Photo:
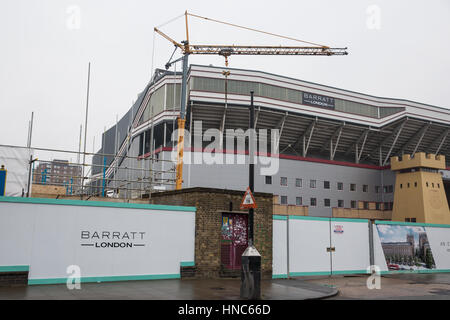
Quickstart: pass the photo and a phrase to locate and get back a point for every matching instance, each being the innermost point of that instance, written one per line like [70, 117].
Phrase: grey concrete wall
[235, 177]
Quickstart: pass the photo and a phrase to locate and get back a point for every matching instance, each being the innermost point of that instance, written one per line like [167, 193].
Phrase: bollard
[251, 274]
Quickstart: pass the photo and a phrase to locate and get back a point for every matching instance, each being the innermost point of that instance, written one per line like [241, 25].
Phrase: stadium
[335, 145]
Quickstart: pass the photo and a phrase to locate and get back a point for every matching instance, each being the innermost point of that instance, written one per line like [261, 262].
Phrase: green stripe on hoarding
[349, 220]
[277, 217]
[86, 203]
[279, 276]
[14, 268]
[309, 218]
[412, 224]
[187, 264]
[327, 273]
[301, 274]
[328, 219]
[350, 272]
[105, 279]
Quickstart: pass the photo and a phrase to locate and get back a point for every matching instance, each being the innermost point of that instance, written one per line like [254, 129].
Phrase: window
[283, 181]
[326, 184]
[377, 189]
[415, 184]
[353, 204]
[340, 203]
[298, 201]
[284, 200]
[298, 183]
[365, 188]
[366, 205]
[326, 202]
[312, 183]
[407, 219]
[313, 202]
[378, 206]
[340, 186]
[413, 219]
[268, 179]
[352, 187]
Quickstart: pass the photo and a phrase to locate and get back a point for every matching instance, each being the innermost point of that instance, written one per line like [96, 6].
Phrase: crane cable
[256, 30]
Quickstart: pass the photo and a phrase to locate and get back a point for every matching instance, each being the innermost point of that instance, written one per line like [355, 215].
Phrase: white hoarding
[350, 240]
[279, 245]
[107, 241]
[308, 243]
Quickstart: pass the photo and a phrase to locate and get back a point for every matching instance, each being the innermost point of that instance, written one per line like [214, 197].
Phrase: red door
[234, 239]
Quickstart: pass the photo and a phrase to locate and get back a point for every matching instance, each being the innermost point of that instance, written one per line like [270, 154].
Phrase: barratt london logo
[112, 239]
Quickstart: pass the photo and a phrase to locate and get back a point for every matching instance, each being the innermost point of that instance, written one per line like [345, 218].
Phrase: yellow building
[419, 189]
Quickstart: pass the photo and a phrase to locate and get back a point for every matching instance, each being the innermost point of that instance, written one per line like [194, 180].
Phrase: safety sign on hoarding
[248, 202]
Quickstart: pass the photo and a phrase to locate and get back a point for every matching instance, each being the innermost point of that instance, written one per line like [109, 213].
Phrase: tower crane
[226, 51]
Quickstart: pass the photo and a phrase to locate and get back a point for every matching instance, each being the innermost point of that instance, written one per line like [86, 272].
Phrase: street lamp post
[251, 259]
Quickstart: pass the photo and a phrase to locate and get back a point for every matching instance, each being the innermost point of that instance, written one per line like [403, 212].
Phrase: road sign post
[251, 259]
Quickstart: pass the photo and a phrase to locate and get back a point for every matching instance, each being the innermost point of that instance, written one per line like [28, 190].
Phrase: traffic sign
[248, 202]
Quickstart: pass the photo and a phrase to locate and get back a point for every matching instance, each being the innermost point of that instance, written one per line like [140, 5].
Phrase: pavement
[392, 287]
[217, 289]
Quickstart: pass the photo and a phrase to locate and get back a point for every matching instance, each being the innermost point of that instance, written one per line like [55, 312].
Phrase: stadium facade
[334, 145]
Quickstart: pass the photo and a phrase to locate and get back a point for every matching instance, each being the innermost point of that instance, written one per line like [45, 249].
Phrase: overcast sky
[398, 49]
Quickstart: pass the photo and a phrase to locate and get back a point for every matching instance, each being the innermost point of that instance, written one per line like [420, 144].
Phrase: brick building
[213, 248]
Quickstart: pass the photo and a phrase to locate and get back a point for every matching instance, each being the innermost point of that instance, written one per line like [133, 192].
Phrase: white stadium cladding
[326, 134]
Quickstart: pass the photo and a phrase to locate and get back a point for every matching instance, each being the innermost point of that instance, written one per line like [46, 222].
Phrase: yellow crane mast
[226, 51]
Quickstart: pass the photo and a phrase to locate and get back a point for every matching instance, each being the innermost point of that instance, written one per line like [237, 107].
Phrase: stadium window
[312, 184]
[352, 187]
[298, 182]
[326, 202]
[340, 203]
[313, 202]
[283, 181]
[268, 179]
[340, 186]
[298, 201]
[326, 184]
[284, 200]
[353, 204]
[365, 188]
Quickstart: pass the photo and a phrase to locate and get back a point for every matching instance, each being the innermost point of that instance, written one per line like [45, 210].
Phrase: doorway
[234, 239]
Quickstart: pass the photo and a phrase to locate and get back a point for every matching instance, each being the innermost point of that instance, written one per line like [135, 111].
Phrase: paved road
[400, 287]
[220, 289]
